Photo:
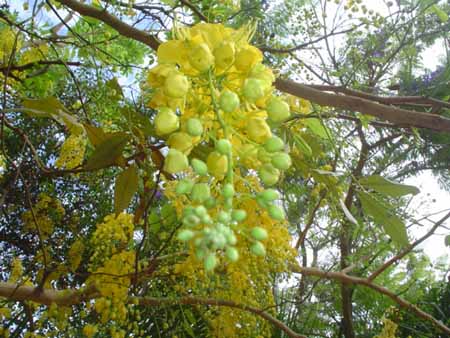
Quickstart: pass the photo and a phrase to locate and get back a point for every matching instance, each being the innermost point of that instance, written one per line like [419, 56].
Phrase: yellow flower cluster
[110, 236]
[111, 268]
[72, 151]
[8, 40]
[389, 329]
[42, 218]
[219, 117]
[218, 114]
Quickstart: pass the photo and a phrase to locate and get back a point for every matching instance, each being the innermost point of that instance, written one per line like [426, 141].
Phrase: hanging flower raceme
[218, 114]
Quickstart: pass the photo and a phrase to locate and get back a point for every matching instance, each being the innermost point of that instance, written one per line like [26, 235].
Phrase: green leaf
[442, 15]
[126, 186]
[302, 146]
[383, 214]
[50, 107]
[116, 89]
[95, 134]
[447, 240]
[387, 187]
[316, 126]
[108, 151]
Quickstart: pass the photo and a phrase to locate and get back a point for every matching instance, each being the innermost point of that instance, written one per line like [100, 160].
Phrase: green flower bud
[274, 144]
[200, 253]
[166, 121]
[258, 249]
[261, 202]
[201, 211]
[264, 156]
[259, 233]
[276, 212]
[176, 85]
[194, 127]
[219, 241]
[281, 161]
[184, 187]
[206, 219]
[191, 221]
[223, 146]
[278, 110]
[231, 238]
[228, 190]
[232, 254]
[189, 210]
[175, 161]
[268, 174]
[210, 203]
[210, 262]
[200, 167]
[185, 235]
[269, 195]
[229, 101]
[238, 215]
[224, 217]
[253, 89]
[200, 192]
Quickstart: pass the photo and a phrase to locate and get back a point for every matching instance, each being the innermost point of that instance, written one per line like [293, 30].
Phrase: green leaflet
[108, 151]
[302, 145]
[95, 134]
[387, 187]
[50, 107]
[442, 15]
[316, 126]
[384, 215]
[126, 186]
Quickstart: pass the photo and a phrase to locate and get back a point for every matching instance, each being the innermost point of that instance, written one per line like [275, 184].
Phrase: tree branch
[121, 27]
[68, 297]
[395, 115]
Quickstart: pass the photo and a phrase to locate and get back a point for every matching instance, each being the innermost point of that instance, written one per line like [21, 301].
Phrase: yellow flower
[224, 55]
[247, 57]
[181, 141]
[201, 57]
[217, 165]
[258, 130]
[157, 75]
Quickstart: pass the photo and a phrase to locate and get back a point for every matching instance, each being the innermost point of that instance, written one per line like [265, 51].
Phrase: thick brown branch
[46, 296]
[395, 115]
[16, 292]
[396, 100]
[121, 27]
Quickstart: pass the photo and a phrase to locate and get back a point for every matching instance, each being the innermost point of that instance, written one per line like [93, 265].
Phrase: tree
[160, 180]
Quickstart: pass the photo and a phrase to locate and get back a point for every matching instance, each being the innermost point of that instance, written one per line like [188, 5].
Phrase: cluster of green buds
[210, 232]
